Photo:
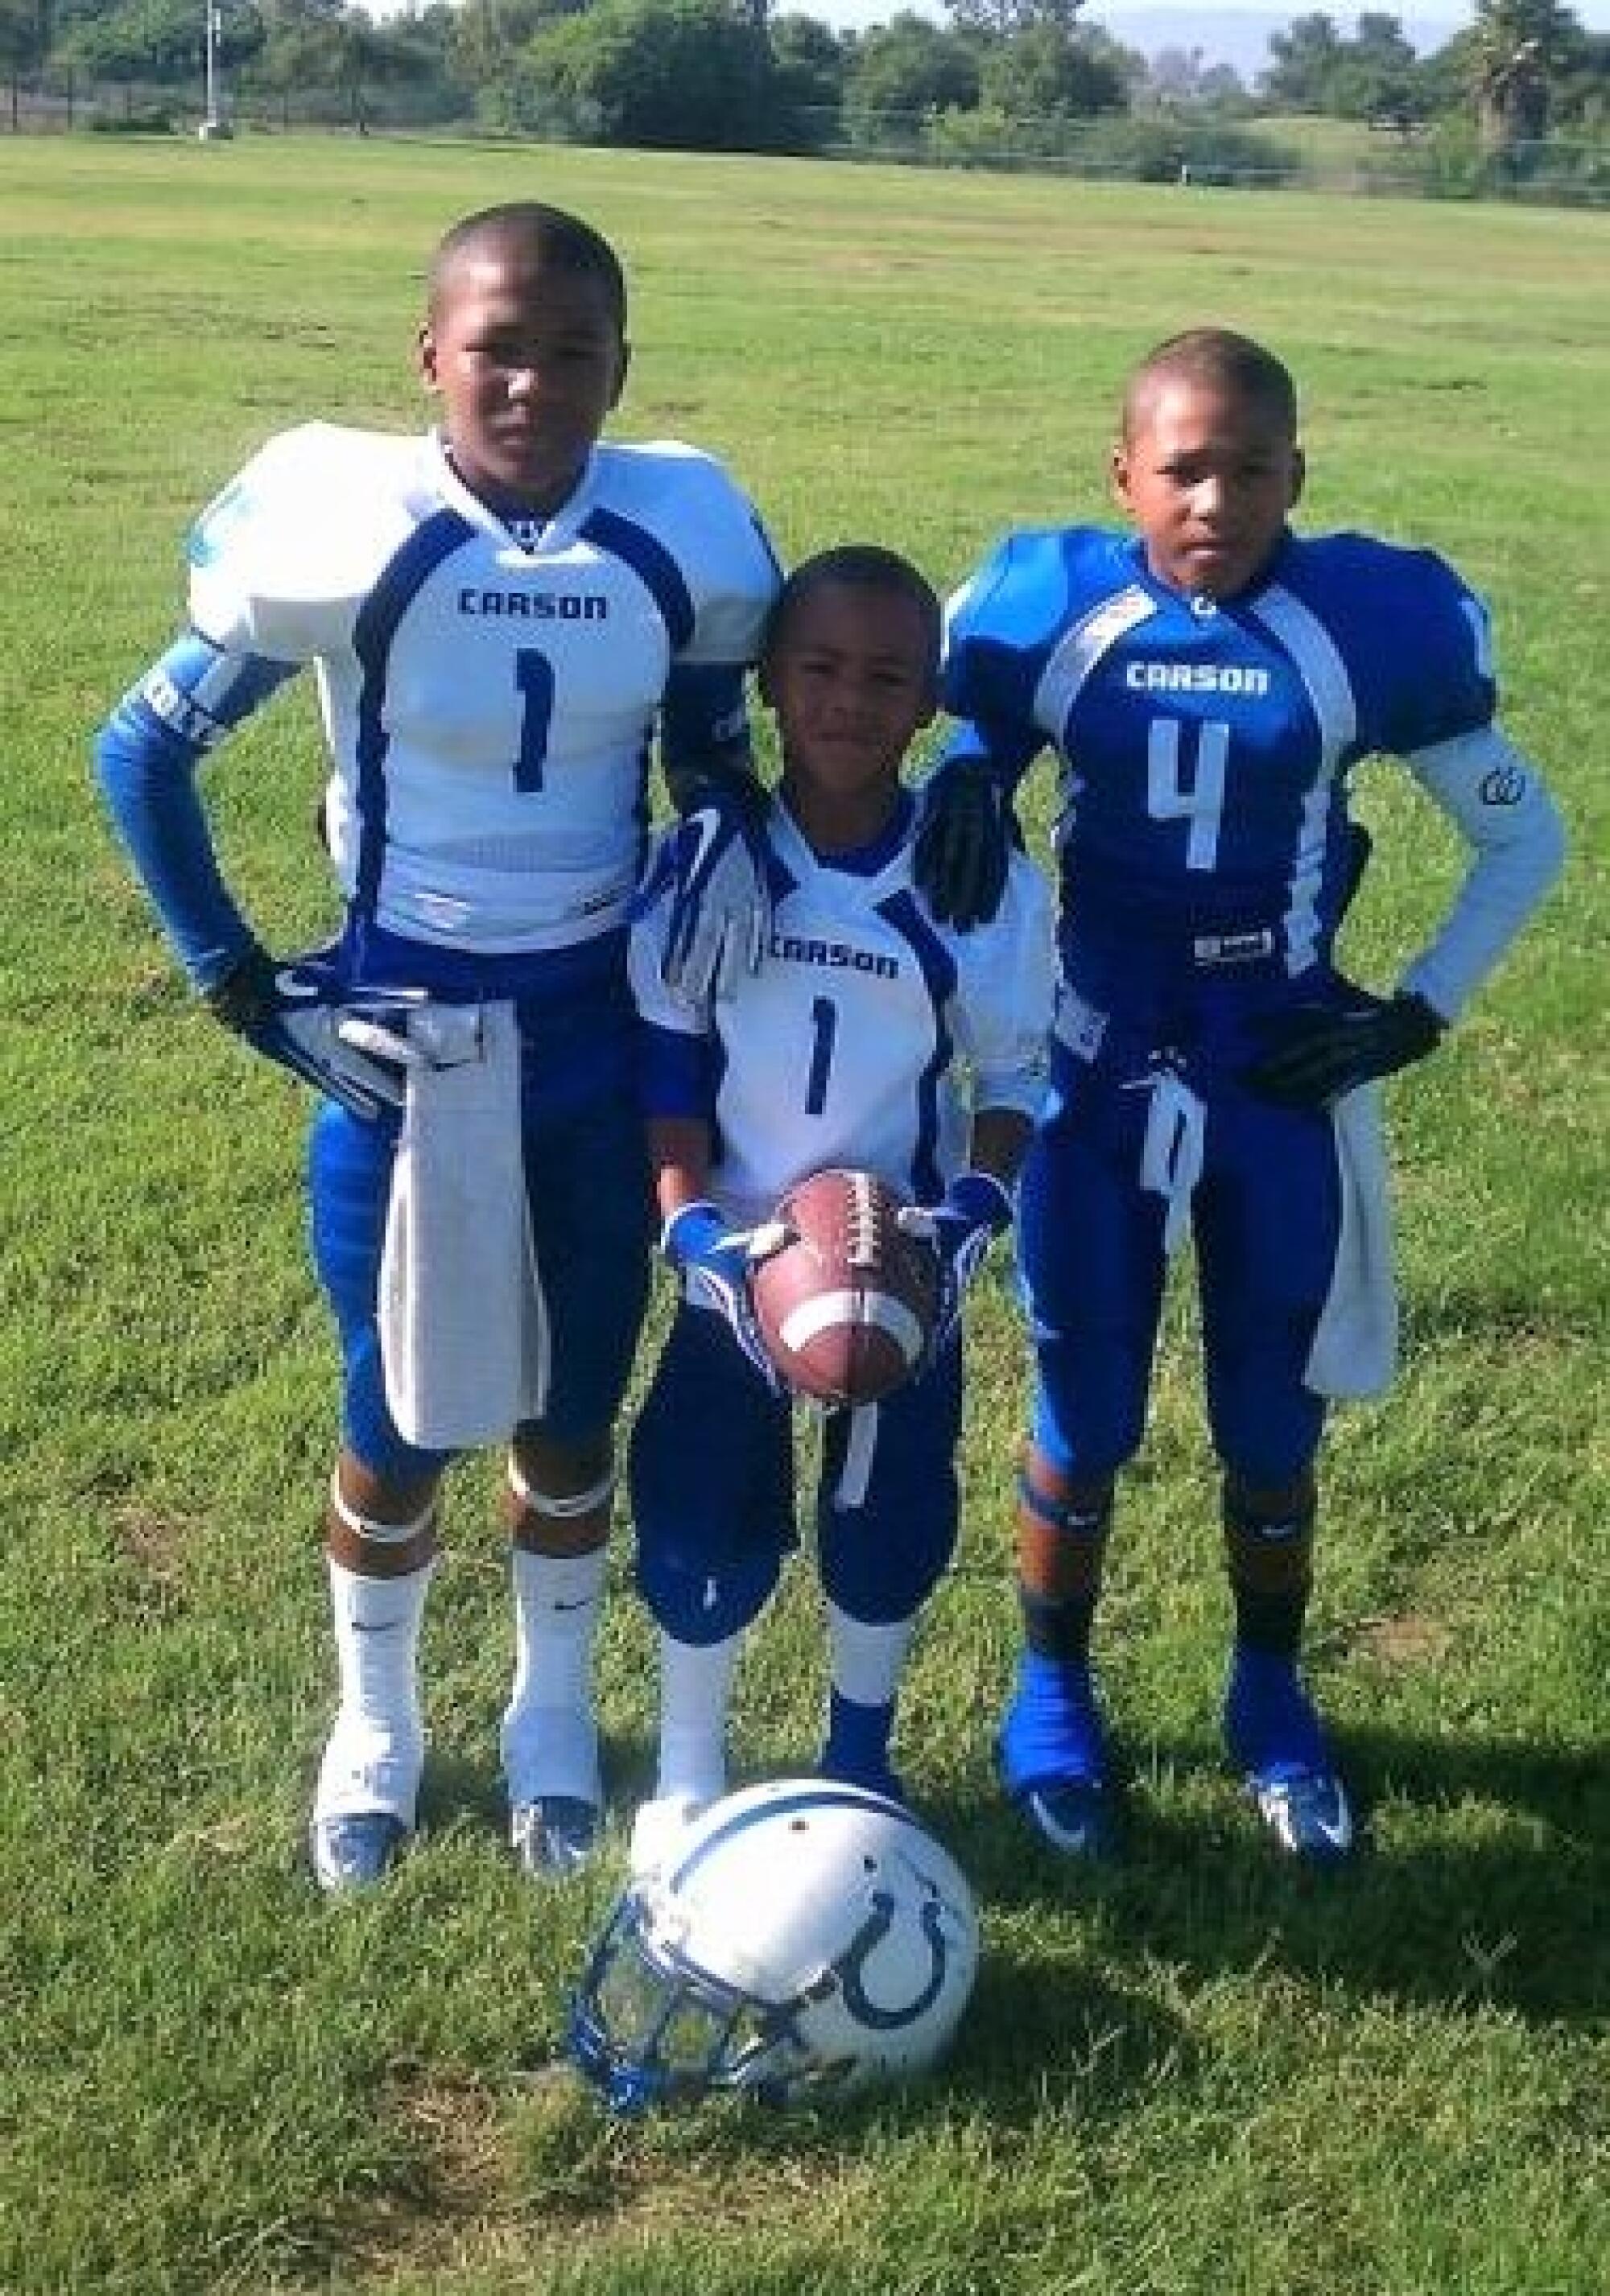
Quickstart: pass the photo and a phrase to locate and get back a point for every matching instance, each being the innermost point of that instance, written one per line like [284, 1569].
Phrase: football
[847, 1304]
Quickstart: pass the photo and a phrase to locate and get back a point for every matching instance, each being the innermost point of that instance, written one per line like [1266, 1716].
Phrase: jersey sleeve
[1006, 977]
[1498, 801]
[998, 627]
[1426, 655]
[726, 559]
[279, 561]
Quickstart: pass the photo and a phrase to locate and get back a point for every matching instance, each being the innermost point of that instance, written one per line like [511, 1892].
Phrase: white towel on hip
[463, 1331]
[1171, 1153]
[1355, 1344]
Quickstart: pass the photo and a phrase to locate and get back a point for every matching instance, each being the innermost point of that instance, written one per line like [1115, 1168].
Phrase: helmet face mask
[807, 1940]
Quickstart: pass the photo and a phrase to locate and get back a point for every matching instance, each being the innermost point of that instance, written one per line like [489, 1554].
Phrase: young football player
[873, 1037]
[498, 616]
[1207, 682]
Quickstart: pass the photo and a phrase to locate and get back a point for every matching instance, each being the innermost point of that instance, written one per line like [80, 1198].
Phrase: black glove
[346, 1042]
[1316, 1053]
[965, 834]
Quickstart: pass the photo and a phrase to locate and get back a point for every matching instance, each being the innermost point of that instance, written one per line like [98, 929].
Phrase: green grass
[1201, 2076]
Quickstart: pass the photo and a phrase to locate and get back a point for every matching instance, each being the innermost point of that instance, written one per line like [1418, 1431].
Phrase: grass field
[1202, 2076]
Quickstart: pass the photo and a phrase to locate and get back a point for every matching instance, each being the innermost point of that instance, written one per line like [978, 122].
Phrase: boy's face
[527, 359]
[852, 679]
[1208, 476]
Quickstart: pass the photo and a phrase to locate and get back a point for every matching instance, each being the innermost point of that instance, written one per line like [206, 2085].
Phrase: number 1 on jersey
[824, 1028]
[534, 676]
[1202, 803]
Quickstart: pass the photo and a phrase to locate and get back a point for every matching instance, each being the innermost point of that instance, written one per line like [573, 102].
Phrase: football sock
[1270, 1726]
[695, 1687]
[1269, 1558]
[856, 1751]
[376, 1747]
[550, 1740]
[866, 1661]
[1053, 1731]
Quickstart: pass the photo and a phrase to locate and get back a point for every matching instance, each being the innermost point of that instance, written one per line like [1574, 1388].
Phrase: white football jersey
[870, 1033]
[489, 702]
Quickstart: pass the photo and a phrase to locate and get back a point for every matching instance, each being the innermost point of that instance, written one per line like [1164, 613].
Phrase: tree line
[1024, 77]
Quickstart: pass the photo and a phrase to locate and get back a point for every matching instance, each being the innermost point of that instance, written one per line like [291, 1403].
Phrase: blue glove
[343, 1040]
[1315, 1054]
[965, 834]
[720, 908]
[976, 1208]
[713, 1259]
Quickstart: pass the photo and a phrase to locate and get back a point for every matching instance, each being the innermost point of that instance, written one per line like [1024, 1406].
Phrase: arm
[147, 754]
[721, 916]
[1498, 802]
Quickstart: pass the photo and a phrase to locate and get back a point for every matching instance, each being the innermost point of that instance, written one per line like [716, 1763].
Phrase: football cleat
[554, 1835]
[1077, 1817]
[661, 1823]
[354, 1849]
[1276, 1740]
[1052, 1758]
[1306, 1812]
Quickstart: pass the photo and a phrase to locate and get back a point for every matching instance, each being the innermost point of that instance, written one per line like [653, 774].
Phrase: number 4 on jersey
[1201, 804]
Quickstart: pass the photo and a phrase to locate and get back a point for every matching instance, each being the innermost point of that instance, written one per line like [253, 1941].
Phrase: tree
[1518, 48]
[811, 65]
[679, 75]
[1306, 58]
[903, 71]
[1043, 74]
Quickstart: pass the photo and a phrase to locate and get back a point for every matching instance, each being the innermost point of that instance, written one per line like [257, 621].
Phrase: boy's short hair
[1223, 360]
[559, 237]
[856, 566]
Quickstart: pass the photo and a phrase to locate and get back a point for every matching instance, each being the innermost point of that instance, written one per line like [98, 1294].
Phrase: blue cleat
[1075, 1817]
[1052, 1758]
[1307, 1813]
[554, 1835]
[1276, 1740]
[354, 1850]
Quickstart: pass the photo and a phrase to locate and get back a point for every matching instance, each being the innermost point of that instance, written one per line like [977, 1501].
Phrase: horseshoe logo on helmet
[864, 1943]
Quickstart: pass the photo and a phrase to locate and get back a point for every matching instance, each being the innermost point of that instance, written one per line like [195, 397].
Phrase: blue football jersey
[1204, 747]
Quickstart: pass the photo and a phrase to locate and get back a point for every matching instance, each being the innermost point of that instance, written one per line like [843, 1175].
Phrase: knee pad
[699, 1606]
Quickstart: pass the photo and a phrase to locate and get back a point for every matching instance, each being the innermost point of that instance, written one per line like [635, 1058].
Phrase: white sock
[696, 1689]
[867, 1661]
[550, 1739]
[376, 1751]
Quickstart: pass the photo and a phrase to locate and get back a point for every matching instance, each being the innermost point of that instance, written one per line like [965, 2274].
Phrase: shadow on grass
[1477, 1867]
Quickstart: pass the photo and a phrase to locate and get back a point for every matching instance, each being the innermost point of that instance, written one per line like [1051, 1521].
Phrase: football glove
[976, 1208]
[713, 1260]
[1313, 1056]
[720, 904]
[343, 1040]
[965, 834]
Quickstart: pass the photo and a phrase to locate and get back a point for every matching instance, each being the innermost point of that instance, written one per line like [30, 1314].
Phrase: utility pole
[214, 127]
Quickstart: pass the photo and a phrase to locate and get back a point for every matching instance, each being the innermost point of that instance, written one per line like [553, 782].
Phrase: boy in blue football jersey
[1207, 682]
[499, 616]
[874, 1038]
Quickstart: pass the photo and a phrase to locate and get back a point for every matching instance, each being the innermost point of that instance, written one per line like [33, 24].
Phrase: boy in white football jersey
[872, 1037]
[500, 615]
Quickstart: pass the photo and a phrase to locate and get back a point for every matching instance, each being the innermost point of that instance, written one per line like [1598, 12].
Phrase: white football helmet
[804, 1940]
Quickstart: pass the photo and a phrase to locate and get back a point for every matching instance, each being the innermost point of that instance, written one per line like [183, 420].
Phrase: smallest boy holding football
[872, 1037]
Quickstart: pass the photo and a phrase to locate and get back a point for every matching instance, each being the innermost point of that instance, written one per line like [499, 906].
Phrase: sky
[1444, 17]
